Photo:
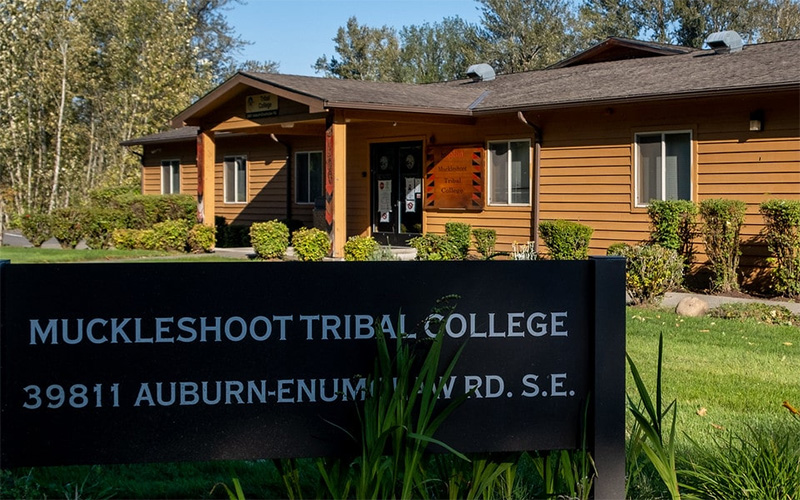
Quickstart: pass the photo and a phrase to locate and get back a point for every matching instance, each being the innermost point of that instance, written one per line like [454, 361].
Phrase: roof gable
[617, 49]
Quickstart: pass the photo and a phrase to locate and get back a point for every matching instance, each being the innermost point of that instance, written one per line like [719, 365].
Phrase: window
[509, 173]
[235, 179]
[663, 166]
[170, 176]
[309, 176]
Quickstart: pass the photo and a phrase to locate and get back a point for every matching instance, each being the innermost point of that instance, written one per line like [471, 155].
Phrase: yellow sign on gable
[261, 105]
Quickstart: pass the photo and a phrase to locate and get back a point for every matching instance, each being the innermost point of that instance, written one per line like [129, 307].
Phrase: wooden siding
[184, 152]
[512, 223]
[587, 166]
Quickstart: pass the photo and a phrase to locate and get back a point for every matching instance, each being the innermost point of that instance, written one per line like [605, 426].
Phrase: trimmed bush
[673, 226]
[311, 245]
[201, 238]
[650, 271]
[177, 207]
[432, 246]
[565, 239]
[35, 228]
[104, 197]
[67, 226]
[100, 224]
[171, 235]
[359, 248]
[460, 235]
[270, 239]
[782, 233]
[485, 241]
[134, 239]
[723, 221]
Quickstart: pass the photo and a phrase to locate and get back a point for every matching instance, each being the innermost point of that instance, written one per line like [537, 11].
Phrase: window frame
[233, 159]
[170, 164]
[308, 176]
[637, 174]
[490, 167]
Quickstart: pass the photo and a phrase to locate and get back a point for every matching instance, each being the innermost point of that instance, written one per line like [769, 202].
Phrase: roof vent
[480, 72]
[725, 42]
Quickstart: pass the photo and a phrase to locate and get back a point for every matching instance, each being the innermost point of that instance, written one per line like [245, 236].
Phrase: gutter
[537, 160]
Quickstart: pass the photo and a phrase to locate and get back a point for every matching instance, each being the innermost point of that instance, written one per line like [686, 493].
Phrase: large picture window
[170, 177]
[309, 176]
[663, 166]
[509, 173]
[235, 179]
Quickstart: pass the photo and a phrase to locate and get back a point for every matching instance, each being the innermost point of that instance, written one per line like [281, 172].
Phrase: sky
[295, 33]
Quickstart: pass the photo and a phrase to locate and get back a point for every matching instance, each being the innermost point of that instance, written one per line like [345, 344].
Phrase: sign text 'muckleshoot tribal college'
[121, 363]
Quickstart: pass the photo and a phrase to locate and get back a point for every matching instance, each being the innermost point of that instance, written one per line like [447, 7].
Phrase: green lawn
[19, 255]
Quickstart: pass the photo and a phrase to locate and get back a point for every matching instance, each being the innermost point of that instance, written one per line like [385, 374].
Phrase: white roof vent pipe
[481, 72]
[725, 42]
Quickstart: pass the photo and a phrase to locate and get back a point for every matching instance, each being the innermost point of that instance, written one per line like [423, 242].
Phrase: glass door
[396, 191]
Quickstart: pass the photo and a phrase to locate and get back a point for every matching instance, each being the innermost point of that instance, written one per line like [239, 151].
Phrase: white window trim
[489, 190]
[226, 159]
[297, 174]
[168, 163]
[636, 171]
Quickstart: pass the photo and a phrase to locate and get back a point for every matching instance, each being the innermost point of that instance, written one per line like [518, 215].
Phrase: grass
[20, 255]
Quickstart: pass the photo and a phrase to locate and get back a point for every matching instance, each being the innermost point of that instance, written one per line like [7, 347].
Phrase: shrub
[171, 235]
[36, 228]
[460, 235]
[311, 244]
[485, 241]
[673, 226]
[176, 207]
[141, 211]
[359, 248]
[67, 226]
[723, 221]
[134, 239]
[383, 254]
[782, 233]
[432, 246]
[650, 271]
[99, 224]
[229, 236]
[565, 239]
[270, 239]
[201, 238]
[104, 197]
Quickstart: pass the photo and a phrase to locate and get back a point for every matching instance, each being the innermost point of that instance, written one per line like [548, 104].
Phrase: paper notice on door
[386, 217]
[413, 191]
[384, 196]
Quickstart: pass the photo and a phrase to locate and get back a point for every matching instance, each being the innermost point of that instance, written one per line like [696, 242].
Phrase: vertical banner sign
[454, 177]
[119, 363]
[330, 179]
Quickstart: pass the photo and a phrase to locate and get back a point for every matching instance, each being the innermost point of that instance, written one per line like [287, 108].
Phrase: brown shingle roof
[756, 67]
[759, 67]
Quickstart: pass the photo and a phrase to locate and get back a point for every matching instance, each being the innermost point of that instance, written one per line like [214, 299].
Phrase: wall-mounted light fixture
[757, 121]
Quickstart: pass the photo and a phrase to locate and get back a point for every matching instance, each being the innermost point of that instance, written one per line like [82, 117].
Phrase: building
[592, 139]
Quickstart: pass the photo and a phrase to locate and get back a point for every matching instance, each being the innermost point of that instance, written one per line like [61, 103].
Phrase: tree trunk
[59, 130]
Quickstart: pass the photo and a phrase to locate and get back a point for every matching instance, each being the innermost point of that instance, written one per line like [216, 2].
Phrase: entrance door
[396, 191]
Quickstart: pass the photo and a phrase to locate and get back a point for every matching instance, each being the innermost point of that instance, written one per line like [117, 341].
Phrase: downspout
[288, 177]
[537, 158]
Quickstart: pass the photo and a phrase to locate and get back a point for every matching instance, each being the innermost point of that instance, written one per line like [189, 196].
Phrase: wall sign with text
[261, 106]
[454, 177]
[127, 363]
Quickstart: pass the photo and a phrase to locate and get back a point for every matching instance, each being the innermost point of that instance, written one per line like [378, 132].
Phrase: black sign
[124, 363]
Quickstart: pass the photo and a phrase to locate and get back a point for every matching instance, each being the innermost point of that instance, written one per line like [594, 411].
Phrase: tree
[601, 19]
[365, 53]
[696, 19]
[655, 18]
[440, 51]
[521, 35]
[778, 20]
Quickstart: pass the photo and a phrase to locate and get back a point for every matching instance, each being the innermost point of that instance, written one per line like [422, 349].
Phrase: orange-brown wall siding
[587, 165]
[184, 152]
[511, 223]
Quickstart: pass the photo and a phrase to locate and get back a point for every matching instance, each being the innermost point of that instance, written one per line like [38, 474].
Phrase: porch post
[206, 153]
[336, 182]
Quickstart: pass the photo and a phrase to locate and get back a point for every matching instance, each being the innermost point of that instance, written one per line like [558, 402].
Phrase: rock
[692, 307]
